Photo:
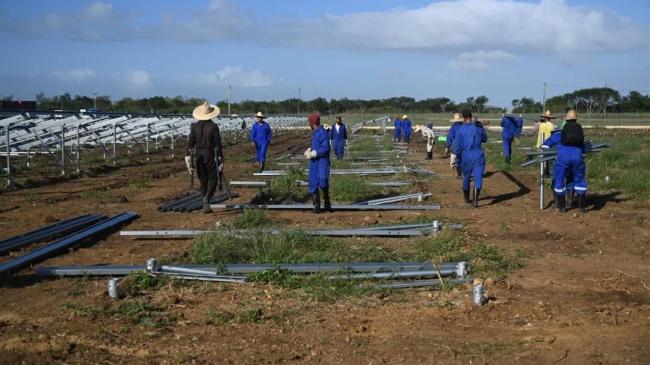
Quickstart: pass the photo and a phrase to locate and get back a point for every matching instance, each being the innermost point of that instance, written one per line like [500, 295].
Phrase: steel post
[115, 144]
[147, 142]
[8, 155]
[63, 150]
[542, 166]
[78, 149]
[173, 132]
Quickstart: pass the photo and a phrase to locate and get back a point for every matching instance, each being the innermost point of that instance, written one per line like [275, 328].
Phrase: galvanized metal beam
[349, 207]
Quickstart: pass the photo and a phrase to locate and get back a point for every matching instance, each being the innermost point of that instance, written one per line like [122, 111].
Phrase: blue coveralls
[338, 140]
[451, 136]
[569, 161]
[397, 123]
[407, 127]
[511, 129]
[319, 166]
[467, 145]
[261, 135]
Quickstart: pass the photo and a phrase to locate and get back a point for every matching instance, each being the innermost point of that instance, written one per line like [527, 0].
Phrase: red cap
[314, 119]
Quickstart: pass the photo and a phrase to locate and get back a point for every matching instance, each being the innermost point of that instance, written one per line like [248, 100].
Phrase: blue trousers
[261, 151]
[473, 166]
[339, 149]
[319, 174]
[507, 146]
[569, 173]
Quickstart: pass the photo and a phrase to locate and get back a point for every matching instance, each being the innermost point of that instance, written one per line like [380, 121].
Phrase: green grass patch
[140, 183]
[284, 188]
[136, 312]
[350, 188]
[251, 218]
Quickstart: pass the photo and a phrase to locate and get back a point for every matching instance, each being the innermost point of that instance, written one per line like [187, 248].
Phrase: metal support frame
[63, 149]
[334, 207]
[7, 128]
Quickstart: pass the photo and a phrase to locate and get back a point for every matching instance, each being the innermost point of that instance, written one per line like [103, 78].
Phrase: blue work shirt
[261, 134]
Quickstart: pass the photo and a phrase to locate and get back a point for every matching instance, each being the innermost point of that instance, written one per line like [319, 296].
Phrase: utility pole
[95, 101]
[229, 98]
[299, 90]
[544, 99]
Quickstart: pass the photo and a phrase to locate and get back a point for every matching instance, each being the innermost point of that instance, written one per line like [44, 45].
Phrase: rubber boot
[261, 166]
[561, 203]
[206, 205]
[466, 196]
[459, 172]
[581, 203]
[327, 204]
[430, 155]
[316, 200]
[569, 199]
[212, 185]
[508, 160]
[477, 193]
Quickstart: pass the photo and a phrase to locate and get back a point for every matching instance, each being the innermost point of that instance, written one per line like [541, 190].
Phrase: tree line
[591, 100]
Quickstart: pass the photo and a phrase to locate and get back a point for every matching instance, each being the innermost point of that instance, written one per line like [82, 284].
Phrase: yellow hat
[571, 115]
[404, 116]
[456, 118]
[205, 111]
[547, 115]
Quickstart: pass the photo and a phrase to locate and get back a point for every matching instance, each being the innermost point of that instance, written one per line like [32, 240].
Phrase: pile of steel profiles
[551, 154]
[334, 207]
[305, 268]
[184, 273]
[63, 244]
[192, 202]
[398, 198]
[49, 232]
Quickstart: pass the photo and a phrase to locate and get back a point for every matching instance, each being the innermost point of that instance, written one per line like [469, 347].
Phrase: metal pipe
[114, 143]
[78, 148]
[147, 142]
[63, 149]
[334, 207]
[396, 275]
[327, 232]
[418, 284]
[173, 132]
[542, 166]
[8, 155]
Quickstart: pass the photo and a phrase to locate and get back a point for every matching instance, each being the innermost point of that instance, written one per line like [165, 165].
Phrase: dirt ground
[582, 297]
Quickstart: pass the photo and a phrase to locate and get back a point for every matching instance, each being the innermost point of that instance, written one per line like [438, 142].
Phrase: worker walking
[261, 138]
[454, 160]
[468, 147]
[407, 128]
[511, 130]
[339, 137]
[544, 129]
[427, 132]
[319, 164]
[570, 145]
[204, 143]
[397, 123]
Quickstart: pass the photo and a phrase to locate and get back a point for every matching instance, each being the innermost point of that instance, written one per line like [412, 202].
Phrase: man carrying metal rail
[261, 136]
[339, 136]
[511, 130]
[570, 144]
[204, 143]
[454, 161]
[319, 163]
[468, 146]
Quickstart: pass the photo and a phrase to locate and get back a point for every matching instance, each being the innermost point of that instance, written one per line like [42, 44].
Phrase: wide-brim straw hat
[405, 116]
[260, 115]
[205, 111]
[548, 115]
[456, 118]
[571, 115]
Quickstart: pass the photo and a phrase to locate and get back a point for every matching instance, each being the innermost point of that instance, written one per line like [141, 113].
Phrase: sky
[264, 50]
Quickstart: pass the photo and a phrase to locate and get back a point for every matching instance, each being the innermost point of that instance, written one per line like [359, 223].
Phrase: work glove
[447, 151]
[220, 166]
[309, 153]
[188, 163]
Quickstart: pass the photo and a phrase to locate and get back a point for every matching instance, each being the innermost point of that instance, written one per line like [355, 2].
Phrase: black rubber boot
[211, 186]
[316, 200]
[581, 202]
[560, 203]
[261, 166]
[508, 160]
[327, 204]
[430, 155]
[477, 193]
[466, 195]
[569, 199]
[459, 172]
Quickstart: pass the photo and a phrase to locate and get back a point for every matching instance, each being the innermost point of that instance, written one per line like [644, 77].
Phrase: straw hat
[260, 115]
[547, 115]
[571, 115]
[456, 118]
[205, 111]
[405, 116]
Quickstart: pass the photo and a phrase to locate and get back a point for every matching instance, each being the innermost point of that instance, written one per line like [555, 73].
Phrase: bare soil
[583, 296]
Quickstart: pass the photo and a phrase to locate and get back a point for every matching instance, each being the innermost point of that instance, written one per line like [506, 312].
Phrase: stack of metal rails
[192, 202]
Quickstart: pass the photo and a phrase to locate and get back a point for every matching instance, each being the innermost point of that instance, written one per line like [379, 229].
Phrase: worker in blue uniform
[397, 132]
[319, 164]
[407, 128]
[339, 137]
[570, 145]
[468, 146]
[454, 160]
[511, 130]
[261, 136]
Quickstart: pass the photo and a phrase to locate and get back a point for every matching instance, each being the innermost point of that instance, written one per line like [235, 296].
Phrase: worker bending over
[468, 147]
[454, 160]
[319, 164]
[407, 128]
[570, 144]
[261, 138]
[339, 137]
[427, 132]
[511, 130]
[205, 143]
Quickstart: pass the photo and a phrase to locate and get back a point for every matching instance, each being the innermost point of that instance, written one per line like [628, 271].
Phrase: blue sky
[504, 49]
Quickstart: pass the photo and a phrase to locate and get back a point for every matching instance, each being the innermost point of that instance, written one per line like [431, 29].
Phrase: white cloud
[138, 78]
[74, 75]
[230, 75]
[479, 60]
